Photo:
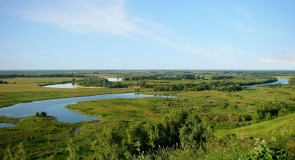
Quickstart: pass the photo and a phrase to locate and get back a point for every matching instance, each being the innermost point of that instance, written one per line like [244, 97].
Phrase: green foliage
[221, 77]
[138, 137]
[262, 151]
[219, 85]
[72, 151]
[267, 116]
[100, 82]
[3, 82]
[19, 154]
[255, 117]
[109, 144]
[8, 155]
[14, 74]
[195, 133]
[292, 81]
[42, 114]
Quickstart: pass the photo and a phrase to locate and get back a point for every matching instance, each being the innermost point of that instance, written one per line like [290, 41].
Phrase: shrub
[108, 144]
[262, 151]
[43, 114]
[194, 133]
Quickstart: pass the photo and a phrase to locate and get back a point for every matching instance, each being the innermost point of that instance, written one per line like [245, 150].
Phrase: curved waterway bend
[56, 107]
[279, 81]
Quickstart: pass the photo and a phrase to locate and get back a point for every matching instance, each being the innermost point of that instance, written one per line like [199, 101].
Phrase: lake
[66, 85]
[56, 107]
[114, 79]
[70, 85]
[280, 81]
[6, 125]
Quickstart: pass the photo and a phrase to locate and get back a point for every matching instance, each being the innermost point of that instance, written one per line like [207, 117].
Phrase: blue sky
[147, 34]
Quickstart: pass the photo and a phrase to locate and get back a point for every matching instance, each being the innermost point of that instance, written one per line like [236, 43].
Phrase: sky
[147, 34]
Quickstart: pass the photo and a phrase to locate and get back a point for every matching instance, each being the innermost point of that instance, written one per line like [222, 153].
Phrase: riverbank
[279, 81]
[28, 90]
[78, 86]
[56, 107]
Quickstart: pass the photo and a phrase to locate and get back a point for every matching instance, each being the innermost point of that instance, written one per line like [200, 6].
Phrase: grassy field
[40, 136]
[128, 109]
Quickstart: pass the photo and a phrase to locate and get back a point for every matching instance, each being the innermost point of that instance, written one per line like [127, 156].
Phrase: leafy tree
[108, 144]
[138, 137]
[267, 116]
[255, 117]
[43, 114]
[195, 133]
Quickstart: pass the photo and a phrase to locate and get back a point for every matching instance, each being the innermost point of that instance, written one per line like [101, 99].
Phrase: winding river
[56, 107]
[279, 81]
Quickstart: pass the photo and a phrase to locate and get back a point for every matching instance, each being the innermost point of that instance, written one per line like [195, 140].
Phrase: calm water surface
[114, 79]
[280, 81]
[56, 107]
[7, 125]
[67, 85]
[70, 85]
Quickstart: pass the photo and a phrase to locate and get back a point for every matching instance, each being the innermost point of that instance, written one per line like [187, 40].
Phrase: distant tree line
[268, 80]
[216, 85]
[211, 85]
[160, 77]
[221, 77]
[100, 82]
[40, 75]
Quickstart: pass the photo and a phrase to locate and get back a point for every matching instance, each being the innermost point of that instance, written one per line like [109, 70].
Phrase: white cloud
[280, 58]
[111, 17]
[83, 16]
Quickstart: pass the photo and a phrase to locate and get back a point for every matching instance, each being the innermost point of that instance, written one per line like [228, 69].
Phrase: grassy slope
[283, 126]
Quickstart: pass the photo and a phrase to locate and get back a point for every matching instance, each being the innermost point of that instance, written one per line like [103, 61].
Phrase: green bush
[262, 151]
[108, 144]
[195, 132]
